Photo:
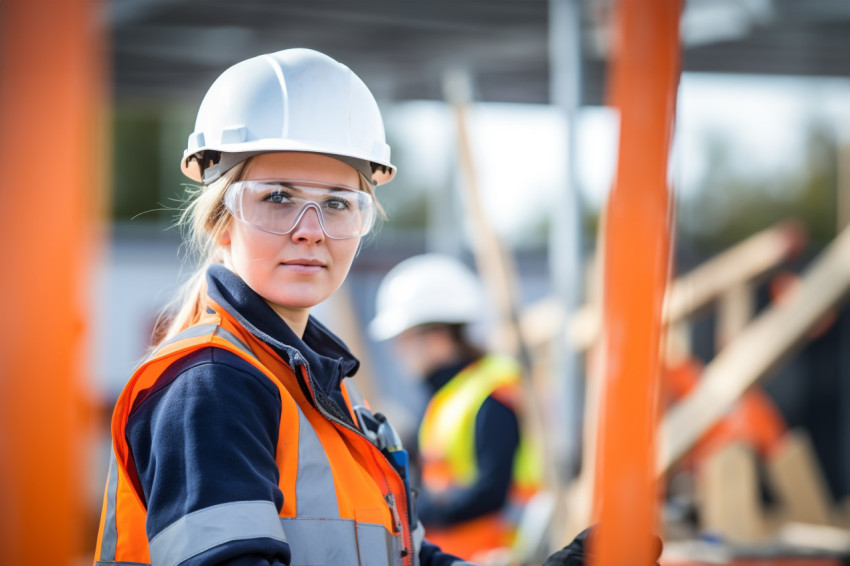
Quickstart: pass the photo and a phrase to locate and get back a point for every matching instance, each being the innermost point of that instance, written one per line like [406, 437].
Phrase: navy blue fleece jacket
[207, 433]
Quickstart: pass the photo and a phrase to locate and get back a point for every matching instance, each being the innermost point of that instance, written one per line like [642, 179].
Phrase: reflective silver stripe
[354, 394]
[512, 512]
[215, 330]
[331, 542]
[112, 563]
[109, 538]
[315, 493]
[191, 332]
[204, 329]
[418, 536]
[230, 337]
[376, 546]
[205, 529]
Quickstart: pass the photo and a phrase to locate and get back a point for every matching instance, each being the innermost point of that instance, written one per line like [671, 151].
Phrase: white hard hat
[291, 100]
[428, 288]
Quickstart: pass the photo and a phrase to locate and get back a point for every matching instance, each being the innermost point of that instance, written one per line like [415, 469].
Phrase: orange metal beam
[49, 86]
[643, 81]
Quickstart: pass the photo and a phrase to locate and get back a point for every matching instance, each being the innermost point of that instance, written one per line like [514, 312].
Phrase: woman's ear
[224, 239]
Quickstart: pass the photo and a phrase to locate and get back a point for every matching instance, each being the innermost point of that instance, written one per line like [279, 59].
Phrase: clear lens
[277, 206]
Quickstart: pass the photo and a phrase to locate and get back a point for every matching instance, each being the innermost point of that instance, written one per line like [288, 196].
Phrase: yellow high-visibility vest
[447, 434]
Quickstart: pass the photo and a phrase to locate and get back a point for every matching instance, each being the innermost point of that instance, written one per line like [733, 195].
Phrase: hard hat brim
[383, 328]
[389, 325]
[191, 167]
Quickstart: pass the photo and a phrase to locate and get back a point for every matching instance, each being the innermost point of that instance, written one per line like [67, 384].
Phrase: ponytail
[203, 222]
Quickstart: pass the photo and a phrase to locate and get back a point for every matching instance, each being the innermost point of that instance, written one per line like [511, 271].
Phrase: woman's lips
[305, 266]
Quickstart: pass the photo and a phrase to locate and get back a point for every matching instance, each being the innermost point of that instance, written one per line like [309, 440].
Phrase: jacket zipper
[304, 376]
[396, 518]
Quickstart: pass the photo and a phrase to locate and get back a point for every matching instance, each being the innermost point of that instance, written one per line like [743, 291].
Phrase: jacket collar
[441, 376]
[327, 358]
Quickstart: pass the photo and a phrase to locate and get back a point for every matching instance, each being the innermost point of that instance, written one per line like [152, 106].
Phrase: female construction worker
[240, 440]
[478, 467]
[237, 441]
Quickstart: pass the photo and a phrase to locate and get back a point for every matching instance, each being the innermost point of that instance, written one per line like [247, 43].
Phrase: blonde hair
[203, 222]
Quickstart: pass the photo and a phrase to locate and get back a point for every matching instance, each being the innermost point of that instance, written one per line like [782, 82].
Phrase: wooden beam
[730, 499]
[348, 325]
[798, 481]
[771, 338]
[497, 270]
[735, 308]
[745, 262]
[493, 260]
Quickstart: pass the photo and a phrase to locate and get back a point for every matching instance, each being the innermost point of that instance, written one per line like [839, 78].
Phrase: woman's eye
[277, 197]
[337, 203]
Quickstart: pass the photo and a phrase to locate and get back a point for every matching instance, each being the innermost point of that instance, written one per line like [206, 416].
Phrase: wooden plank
[745, 262]
[493, 260]
[349, 327]
[735, 308]
[816, 537]
[729, 496]
[578, 497]
[771, 338]
[796, 477]
[497, 270]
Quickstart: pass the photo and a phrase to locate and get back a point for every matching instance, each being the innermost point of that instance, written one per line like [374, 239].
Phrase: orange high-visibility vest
[447, 444]
[341, 497]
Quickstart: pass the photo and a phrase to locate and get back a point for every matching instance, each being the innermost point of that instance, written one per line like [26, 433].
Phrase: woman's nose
[309, 225]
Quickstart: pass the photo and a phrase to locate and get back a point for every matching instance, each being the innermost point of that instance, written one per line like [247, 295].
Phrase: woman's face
[294, 271]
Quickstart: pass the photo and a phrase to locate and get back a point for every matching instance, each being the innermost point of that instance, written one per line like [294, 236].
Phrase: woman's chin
[293, 303]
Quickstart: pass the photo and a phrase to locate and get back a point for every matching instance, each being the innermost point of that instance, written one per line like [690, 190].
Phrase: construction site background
[753, 154]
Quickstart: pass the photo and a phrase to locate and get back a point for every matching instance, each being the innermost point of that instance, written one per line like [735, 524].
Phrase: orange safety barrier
[50, 68]
[644, 77]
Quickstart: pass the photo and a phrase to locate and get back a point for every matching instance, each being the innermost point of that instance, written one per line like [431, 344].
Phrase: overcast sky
[520, 150]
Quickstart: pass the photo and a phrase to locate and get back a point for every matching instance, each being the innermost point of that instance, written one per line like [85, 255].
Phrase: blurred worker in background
[478, 467]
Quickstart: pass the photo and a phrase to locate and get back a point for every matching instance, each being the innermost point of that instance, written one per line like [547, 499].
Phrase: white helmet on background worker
[428, 288]
[291, 100]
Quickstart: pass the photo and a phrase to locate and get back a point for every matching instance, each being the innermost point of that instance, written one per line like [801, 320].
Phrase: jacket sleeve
[496, 442]
[432, 555]
[203, 442]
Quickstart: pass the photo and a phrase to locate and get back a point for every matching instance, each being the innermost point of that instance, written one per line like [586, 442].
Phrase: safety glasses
[277, 206]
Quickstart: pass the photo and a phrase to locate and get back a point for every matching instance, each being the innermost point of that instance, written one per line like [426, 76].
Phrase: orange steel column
[49, 85]
[644, 77]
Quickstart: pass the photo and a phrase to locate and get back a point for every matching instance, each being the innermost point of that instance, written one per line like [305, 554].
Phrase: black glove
[574, 553]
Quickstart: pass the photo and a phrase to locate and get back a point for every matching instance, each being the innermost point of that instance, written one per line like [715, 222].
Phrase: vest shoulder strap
[210, 333]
